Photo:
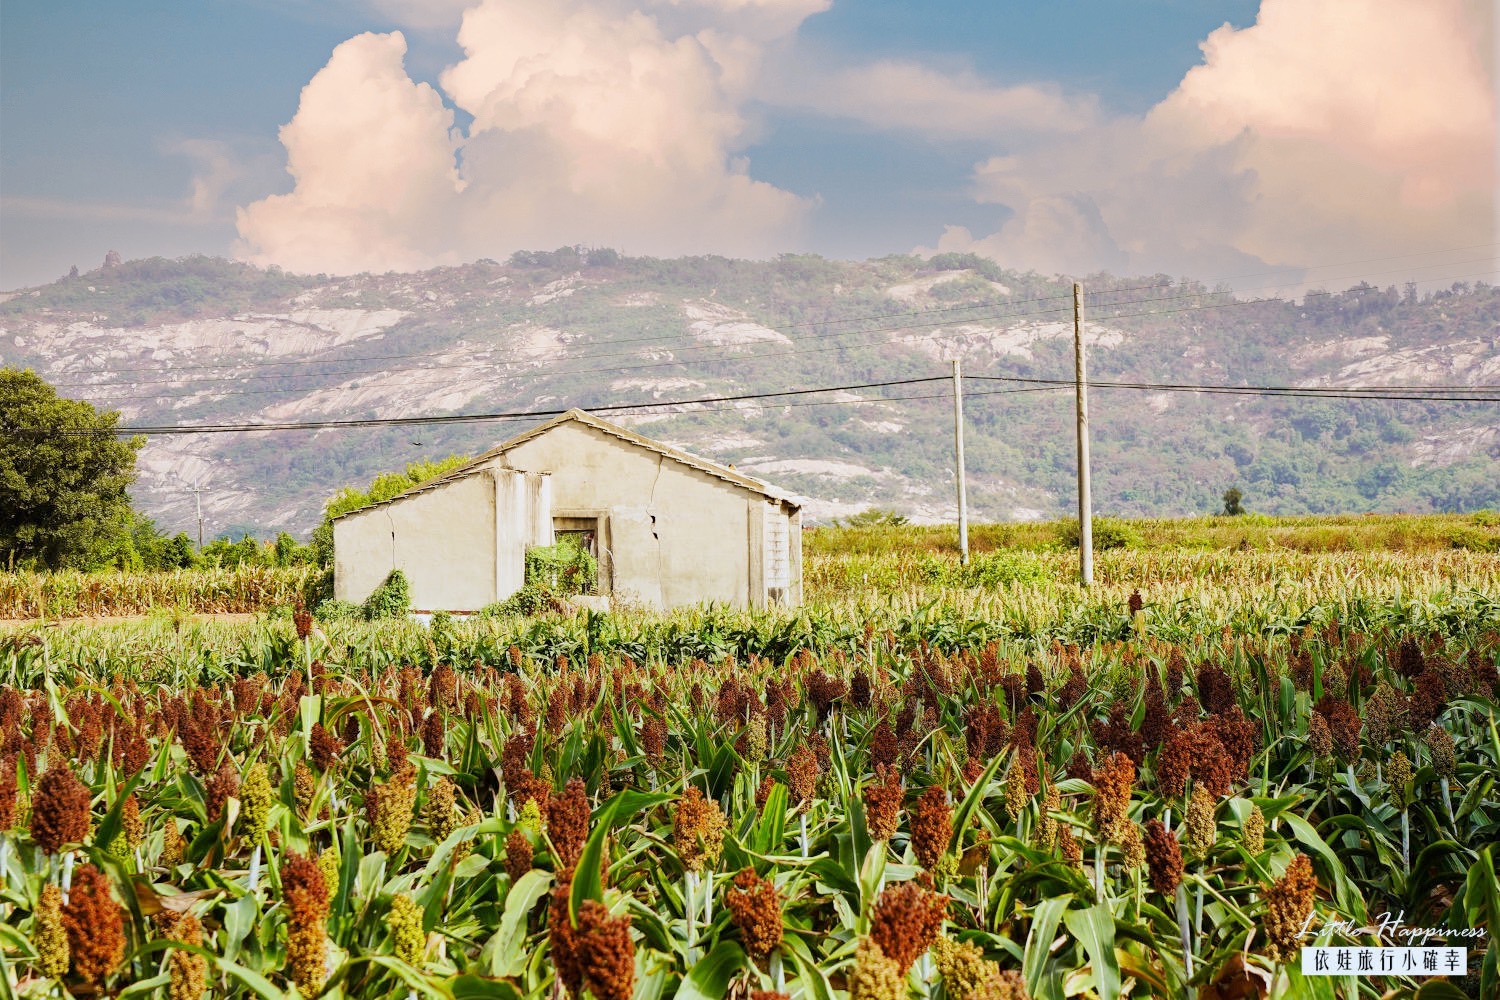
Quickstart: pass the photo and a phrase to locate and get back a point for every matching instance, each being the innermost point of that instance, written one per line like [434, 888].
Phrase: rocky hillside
[207, 341]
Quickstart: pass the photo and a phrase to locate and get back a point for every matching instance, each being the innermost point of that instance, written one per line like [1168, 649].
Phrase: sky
[1279, 143]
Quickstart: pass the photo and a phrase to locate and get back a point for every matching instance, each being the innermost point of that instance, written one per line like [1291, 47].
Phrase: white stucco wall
[456, 553]
[677, 536]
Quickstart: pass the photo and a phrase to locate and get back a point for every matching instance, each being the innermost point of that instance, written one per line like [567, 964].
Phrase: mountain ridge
[206, 340]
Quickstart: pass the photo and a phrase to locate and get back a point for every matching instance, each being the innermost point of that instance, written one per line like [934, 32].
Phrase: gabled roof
[624, 434]
[426, 487]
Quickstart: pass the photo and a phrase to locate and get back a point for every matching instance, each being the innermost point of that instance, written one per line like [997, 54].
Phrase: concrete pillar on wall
[510, 534]
[794, 595]
[755, 517]
[539, 508]
[523, 518]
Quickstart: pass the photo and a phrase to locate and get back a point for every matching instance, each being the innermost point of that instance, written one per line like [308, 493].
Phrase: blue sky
[1211, 139]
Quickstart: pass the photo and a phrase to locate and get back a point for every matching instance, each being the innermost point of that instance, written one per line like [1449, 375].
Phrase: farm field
[934, 780]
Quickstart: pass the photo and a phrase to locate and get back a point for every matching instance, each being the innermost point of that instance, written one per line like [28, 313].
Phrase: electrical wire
[1417, 393]
[455, 418]
[676, 362]
[654, 338]
[717, 402]
[1010, 306]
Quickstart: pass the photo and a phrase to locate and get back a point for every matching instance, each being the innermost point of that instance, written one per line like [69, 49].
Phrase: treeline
[145, 548]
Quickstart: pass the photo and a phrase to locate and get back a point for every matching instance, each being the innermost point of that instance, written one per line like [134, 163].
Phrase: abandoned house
[667, 528]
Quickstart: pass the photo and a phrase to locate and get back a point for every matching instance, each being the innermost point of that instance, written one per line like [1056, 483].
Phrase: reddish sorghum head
[802, 774]
[654, 738]
[883, 805]
[562, 938]
[306, 893]
[59, 809]
[1113, 784]
[1213, 768]
[931, 827]
[1343, 726]
[763, 792]
[884, 747]
[1163, 858]
[755, 908]
[1215, 689]
[604, 952]
[224, 785]
[95, 924]
[906, 921]
[325, 748]
[8, 792]
[518, 855]
[568, 822]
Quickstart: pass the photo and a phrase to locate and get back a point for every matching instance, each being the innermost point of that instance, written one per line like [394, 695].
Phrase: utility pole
[1085, 498]
[197, 492]
[958, 463]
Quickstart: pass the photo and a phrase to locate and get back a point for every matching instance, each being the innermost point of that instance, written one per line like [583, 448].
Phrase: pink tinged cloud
[909, 96]
[590, 125]
[372, 154]
[762, 20]
[1330, 130]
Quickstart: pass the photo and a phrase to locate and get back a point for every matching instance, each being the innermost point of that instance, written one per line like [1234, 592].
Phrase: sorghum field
[935, 780]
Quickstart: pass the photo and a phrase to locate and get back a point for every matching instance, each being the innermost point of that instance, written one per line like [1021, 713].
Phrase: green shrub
[997, 569]
[529, 600]
[391, 599]
[873, 517]
[562, 568]
[318, 587]
[331, 610]
[1108, 534]
[932, 568]
[1474, 540]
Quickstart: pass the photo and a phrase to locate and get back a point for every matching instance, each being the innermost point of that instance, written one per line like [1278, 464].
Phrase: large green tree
[63, 477]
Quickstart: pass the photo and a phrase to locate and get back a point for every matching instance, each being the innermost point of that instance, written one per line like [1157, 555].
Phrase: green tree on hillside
[382, 487]
[63, 477]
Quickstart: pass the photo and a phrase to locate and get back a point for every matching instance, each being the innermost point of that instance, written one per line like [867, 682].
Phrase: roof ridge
[582, 416]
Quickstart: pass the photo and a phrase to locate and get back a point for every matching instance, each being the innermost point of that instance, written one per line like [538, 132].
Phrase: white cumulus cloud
[591, 123]
[372, 154]
[898, 94]
[1330, 130]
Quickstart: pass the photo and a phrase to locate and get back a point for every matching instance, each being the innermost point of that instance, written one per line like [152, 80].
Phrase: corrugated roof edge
[625, 434]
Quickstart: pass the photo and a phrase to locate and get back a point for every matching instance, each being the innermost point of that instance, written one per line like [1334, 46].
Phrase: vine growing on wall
[564, 567]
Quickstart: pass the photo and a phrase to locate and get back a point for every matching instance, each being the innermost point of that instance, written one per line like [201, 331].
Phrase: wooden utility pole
[1085, 498]
[958, 463]
[197, 492]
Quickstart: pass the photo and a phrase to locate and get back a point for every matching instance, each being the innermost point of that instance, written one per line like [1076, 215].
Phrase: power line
[550, 372]
[456, 418]
[1420, 393]
[925, 313]
[1246, 388]
[676, 362]
[654, 338]
[1033, 384]
[751, 358]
